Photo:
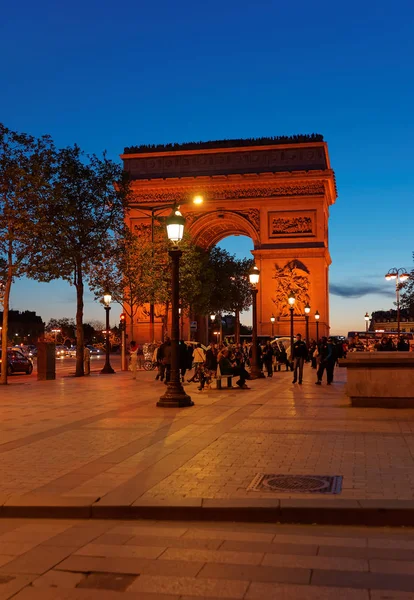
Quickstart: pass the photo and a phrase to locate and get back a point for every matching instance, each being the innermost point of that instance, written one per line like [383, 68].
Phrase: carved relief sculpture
[292, 223]
[292, 277]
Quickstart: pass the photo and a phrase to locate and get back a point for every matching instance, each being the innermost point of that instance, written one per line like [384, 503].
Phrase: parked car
[71, 351]
[17, 362]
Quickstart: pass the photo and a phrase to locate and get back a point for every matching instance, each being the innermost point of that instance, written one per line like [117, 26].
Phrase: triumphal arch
[277, 191]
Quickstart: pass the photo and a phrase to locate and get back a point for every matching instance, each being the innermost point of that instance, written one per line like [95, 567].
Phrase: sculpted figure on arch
[291, 277]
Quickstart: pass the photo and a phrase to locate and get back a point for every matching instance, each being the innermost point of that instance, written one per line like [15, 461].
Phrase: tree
[26, 170]
[407, 297]
[88, 208]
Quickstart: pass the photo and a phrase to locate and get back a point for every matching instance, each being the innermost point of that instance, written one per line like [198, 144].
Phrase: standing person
[167, 360]
[199, 358]
[140, 357]
[133, 358]
[182, 358]
[86, 361]
[299, 354]
[325, 355]
[268, 359]
[160, 360]
[331, 360]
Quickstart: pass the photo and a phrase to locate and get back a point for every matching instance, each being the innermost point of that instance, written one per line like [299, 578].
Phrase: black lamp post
[307, 311]
[291, 300]
[366, 317]
[107, 370]
[317, 317]
[255, 370]
[212, 319]
[272, 320]
[175, 396]
[400, 275]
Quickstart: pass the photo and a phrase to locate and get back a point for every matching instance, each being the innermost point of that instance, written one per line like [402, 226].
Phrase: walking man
[300, 352]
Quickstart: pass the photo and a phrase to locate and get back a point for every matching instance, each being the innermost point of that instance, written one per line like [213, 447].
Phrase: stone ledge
[266, 510]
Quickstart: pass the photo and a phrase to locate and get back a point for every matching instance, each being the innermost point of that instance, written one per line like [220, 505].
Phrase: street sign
[193, 325]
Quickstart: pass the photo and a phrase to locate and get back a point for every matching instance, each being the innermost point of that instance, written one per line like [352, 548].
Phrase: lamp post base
[107, 370]
[256, 373]
[175, 397]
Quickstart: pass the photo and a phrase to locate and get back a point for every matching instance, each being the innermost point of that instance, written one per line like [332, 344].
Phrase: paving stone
[383, 553]
[315, 562]
[147, 530]
[38, 560]
[11, 584]
[228, 535]
[58, 579]
[174, 542]
[318, 540]
[189, 586]
[133, 566]
[274, 591]
[379, 581]
[391, 566]
[104, 550]
[390, 595]
[214, 556]
[272, 548]
[118, 582]
[31, 593]
[254, 573]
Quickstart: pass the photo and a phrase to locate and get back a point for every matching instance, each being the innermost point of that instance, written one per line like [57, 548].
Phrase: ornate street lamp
[291, 300]
[255, 370]
[400, 275]
[307, 311]
[317, 317]
[272, 320]
[175, 396]
[366, 317]
[107, 369]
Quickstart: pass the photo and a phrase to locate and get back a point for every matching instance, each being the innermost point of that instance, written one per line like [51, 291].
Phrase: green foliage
[234, 143]
[27, 167]
[80, 223]
[407, 297]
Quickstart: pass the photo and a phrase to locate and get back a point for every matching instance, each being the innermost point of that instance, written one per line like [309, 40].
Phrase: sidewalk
[99, 446]
[125, 560]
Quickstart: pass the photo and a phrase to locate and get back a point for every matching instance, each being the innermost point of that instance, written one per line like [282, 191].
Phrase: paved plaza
[121, 560]
[101, 442]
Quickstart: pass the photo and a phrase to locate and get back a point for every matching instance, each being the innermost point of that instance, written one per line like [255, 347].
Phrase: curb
[378, 513]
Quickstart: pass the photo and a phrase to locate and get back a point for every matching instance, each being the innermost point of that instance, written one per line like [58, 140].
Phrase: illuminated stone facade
[279, 195]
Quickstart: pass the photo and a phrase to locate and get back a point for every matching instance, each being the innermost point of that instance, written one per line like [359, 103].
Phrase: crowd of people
[234, 360]
[206, 364]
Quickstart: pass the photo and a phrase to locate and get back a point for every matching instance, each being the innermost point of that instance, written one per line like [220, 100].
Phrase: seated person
[228, 368]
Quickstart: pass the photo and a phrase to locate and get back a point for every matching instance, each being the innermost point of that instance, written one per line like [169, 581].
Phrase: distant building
[24, 327]
[386, 320]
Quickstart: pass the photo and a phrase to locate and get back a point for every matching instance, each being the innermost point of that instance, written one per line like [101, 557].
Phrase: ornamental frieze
[232, 193]
[292, 224]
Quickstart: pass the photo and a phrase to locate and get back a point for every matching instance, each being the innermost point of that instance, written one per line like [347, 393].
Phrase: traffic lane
[65, 367]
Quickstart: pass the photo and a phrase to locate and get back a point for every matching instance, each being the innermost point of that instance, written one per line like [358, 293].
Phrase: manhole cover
[308, 484]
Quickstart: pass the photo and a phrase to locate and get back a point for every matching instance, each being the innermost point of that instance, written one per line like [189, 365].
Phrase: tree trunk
[5, 325]
[79, 321]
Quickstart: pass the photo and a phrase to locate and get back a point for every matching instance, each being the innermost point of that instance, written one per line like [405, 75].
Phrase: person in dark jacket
[268, 359]
[300, 353]
[327, 360]
[227, 368]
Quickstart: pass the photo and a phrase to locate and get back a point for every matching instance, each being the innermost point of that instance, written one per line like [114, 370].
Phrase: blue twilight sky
[112, 74]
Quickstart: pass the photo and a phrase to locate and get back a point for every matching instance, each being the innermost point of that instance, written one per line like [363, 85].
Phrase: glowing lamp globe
[175, 227]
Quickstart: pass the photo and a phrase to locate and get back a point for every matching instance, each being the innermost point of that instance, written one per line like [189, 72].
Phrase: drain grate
[308, 484]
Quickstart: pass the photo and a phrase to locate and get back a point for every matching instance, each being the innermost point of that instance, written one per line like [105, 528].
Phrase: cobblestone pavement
[114, 560]
[103, 437]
